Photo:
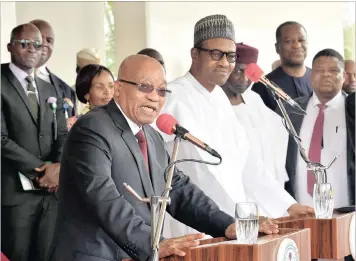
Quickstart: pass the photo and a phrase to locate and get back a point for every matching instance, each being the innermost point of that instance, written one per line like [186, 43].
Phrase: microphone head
[166, 123]
[253, 72]
[65, 106]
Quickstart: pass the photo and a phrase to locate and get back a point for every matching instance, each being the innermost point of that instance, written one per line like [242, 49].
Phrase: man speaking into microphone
[98, 218]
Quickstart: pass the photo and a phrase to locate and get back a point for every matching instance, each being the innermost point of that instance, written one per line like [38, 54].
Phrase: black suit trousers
[27, 229]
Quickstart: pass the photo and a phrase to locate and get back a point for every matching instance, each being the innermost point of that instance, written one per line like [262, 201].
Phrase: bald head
[40, 23]
[47, 40]
[20, 29]
[141, 88]
[138, 66]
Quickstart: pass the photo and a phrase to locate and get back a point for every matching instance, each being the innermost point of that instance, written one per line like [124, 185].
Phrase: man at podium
[98, 218]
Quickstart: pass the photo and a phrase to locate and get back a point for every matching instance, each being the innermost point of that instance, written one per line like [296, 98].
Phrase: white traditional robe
[210, 117]
[265, 132]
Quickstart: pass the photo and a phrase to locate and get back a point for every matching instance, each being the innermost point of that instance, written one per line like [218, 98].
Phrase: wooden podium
[329, 237]
[266, 248]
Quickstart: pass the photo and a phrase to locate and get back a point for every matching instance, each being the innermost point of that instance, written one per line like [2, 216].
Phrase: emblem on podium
[288, 251]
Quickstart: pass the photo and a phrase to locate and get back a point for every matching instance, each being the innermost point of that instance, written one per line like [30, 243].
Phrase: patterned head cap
[213, 26]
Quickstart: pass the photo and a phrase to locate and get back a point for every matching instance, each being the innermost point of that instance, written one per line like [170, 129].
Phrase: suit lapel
[132, 144]
[42, 100]
[18, 87]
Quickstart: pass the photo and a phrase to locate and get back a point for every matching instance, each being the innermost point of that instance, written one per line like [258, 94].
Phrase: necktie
[142, 143]
[32, 98]
[315, 146]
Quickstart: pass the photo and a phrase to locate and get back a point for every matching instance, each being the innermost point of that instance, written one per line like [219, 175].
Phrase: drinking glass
[247, 224]
[323, 199]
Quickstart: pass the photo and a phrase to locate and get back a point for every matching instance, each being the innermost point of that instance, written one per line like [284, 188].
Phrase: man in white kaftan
[264, 128]
[201, 106]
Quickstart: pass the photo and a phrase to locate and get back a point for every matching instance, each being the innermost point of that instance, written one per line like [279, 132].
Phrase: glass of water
[323, 199]
[247, 224]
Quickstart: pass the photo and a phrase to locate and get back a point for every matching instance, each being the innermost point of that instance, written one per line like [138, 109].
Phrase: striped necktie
[32, 98]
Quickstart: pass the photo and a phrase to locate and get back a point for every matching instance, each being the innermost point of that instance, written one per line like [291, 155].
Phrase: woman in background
[94, 86]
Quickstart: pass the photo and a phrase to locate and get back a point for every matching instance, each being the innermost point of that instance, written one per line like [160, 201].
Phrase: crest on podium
[288, 251]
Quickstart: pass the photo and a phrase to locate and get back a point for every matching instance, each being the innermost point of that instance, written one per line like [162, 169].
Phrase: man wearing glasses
[32, 137]
[98, 218]
[201, 106]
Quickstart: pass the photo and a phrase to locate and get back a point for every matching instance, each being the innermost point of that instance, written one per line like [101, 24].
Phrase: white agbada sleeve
[272, 133]
[260, 186]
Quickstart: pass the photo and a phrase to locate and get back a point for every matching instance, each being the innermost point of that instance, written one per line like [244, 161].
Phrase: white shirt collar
[334, 103]
[133, 126]
[198, 85]
[43, 70]
[19, 73]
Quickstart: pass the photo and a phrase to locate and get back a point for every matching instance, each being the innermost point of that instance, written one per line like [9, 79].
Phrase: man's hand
[175, 246]
[266, 226]
[50, 178]
[70, 122]
[298, 209]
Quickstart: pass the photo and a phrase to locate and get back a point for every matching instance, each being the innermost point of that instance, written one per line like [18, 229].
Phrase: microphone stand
[318, 170]
[156, 201]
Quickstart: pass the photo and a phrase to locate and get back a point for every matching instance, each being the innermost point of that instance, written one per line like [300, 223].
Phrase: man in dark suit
[63, 89]
[325, 105]
[292, 75]
[98, 218]
[32, 137]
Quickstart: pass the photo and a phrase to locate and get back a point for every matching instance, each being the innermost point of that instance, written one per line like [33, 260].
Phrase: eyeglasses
[25, 44]
[217, 55]
[148, 88]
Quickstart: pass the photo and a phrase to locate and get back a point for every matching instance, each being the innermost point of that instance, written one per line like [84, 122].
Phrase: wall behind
[8, 22]
[170, 27]
[130, 29]
[77, 25]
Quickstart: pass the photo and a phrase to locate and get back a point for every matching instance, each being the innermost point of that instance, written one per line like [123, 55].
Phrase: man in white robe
[264, 128]
[201, 106]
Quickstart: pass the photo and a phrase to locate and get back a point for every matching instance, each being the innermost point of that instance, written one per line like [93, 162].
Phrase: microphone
[169, 125]
[67, 103]
[255, 74]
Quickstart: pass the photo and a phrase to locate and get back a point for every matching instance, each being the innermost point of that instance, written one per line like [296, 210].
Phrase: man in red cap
[264, 128]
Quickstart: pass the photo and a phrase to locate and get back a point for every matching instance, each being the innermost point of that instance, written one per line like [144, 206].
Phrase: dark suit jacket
[350, 117]
[294, 87]
[98, 219]
[26, 144]
[293, 151]
[64, 91]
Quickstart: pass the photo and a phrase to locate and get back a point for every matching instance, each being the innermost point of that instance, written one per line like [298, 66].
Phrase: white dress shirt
[133, 126]
[21, 76]
[42, 73]
[334, 142]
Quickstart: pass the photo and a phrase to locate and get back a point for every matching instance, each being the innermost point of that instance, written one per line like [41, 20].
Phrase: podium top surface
[336, 215]
[262, 238]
